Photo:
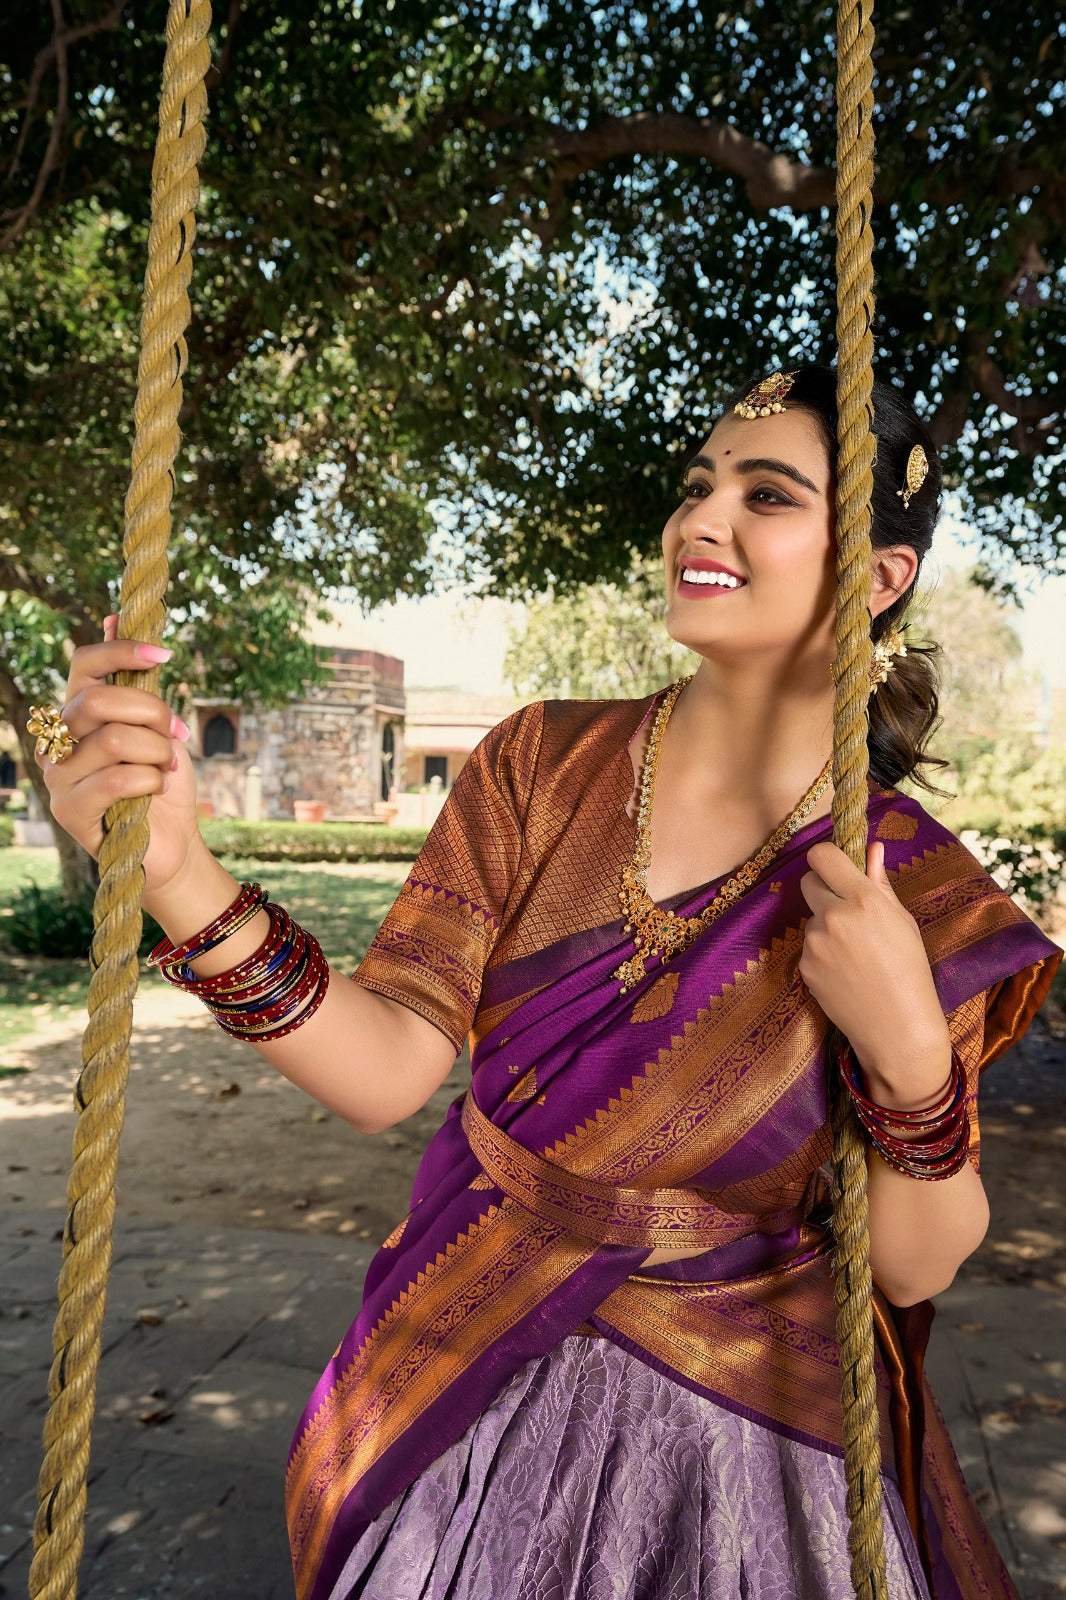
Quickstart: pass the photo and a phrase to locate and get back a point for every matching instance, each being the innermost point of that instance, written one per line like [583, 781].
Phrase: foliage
[1030, 865]
[327, 841]
[343, 912]
[985, 693]
[42, 921]
[465, 275]
[600, 641]
[1013, 787]
[7, 832]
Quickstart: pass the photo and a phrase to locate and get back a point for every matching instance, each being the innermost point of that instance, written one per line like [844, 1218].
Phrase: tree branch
[14, 576]
[56, 49]
[771, 179]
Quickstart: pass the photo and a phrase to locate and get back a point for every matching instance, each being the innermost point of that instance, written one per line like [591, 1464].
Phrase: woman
[597, 1358]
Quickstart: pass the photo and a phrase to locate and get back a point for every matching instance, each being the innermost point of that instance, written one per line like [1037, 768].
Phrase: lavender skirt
[593, 1477]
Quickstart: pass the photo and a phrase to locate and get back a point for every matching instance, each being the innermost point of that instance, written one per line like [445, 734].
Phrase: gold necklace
[663, 933]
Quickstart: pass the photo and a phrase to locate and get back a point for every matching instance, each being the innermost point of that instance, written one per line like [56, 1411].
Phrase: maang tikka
[767, 397]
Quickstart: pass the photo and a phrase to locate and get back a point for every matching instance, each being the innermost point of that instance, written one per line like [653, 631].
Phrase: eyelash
[779, 497]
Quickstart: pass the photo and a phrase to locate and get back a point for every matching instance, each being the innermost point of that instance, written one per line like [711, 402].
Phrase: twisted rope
[851, 1215]
[59, 1530]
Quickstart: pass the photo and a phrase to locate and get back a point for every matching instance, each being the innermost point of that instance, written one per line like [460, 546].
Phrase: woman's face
[750, 552]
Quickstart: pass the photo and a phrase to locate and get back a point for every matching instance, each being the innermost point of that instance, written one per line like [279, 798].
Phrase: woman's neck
[749, 731]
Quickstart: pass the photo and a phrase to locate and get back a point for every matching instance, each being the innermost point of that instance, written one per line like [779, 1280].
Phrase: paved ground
[215, 1335]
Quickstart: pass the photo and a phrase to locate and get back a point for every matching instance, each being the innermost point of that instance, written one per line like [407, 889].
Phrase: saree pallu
[689, 1112]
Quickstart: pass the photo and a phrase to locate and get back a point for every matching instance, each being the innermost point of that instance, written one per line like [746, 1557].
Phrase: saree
[599, 1126]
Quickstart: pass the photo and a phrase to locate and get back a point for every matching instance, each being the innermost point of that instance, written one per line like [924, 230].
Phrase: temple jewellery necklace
[662, 933]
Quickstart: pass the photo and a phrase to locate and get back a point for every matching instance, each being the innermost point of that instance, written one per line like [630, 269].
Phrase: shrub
[1030, 865]
[303, 841]
[44, 923]
[7, 831]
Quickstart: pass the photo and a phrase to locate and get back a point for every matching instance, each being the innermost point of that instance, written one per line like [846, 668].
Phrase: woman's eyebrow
[757, 464]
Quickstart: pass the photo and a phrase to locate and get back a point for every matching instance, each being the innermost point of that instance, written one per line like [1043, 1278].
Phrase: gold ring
[54, 738]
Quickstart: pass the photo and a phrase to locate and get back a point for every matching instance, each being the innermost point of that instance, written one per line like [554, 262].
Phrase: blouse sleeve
[431, 950]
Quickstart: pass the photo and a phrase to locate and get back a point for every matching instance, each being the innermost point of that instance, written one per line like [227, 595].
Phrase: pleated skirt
[593, 1477]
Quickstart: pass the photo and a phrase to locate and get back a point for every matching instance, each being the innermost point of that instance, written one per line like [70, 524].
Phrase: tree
[468, 278]
[984, 697]
[602, 641]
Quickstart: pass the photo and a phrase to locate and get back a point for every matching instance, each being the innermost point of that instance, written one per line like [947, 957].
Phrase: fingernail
[109, 620]
[174, 765]
[166, 786]
[179, 730]
[154, 653]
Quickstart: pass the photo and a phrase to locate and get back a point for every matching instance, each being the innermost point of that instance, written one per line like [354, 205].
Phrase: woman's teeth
[724, 580]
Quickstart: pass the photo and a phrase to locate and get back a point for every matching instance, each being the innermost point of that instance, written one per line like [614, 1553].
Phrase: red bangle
[237, 913]
[940, 1134]
[269, 994]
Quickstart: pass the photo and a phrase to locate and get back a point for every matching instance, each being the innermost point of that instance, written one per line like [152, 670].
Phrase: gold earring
[767, 396]
[917, 472]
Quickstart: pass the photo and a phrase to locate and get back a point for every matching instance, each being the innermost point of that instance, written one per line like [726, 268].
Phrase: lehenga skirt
[592, 1476]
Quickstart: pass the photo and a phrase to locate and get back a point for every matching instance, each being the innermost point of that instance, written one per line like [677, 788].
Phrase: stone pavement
[215, 1336]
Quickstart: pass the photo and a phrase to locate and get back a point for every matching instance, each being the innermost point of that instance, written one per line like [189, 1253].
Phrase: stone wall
[326, 746]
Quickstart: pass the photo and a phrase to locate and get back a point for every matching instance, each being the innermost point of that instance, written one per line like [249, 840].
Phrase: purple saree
[598, 1127]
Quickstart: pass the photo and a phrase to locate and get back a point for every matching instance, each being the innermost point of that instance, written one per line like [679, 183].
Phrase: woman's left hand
[864, 962]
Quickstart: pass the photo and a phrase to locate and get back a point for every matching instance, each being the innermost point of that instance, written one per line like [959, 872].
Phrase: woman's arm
[364, 1056]
[864, 962]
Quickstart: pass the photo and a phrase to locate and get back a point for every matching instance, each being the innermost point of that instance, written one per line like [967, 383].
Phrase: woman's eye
[771, 497]
[693, 489]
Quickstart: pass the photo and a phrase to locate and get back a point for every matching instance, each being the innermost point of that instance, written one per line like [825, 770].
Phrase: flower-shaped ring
[54, 738]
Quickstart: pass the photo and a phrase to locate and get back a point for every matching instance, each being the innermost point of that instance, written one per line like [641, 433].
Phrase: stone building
[339, 746]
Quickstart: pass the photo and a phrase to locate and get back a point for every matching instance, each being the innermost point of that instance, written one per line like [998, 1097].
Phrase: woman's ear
[892, 572]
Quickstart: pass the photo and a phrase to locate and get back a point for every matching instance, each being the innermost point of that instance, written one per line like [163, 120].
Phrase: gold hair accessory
[917, 472]
[885, 650]
[54, 738]
[767, 397]
[661, 933]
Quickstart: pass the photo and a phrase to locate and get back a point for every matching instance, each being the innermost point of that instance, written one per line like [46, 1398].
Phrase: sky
[451, 641]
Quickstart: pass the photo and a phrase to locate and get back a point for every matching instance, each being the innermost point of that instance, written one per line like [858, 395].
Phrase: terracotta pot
[309, 810]
[205, 808]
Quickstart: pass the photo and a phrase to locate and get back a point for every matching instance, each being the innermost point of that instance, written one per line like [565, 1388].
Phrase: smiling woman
[621, 1238]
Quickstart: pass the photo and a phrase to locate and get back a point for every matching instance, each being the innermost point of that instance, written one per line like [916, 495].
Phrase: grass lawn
[342, 912]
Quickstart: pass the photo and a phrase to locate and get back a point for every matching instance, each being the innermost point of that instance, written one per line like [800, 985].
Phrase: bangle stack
[271, 993]
[930, 1144]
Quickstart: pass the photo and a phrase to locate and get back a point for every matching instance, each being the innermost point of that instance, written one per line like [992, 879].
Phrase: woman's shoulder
[559, 725]
[607, 719]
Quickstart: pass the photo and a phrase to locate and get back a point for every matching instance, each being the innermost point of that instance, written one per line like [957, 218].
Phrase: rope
[59, 1527]
[59, 1531]
[855, 306]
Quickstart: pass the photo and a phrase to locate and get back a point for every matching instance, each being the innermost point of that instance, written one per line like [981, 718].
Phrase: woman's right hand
[129, 743]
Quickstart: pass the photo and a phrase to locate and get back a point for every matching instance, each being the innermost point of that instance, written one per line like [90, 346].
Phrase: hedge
[7, 831]
[311, 841]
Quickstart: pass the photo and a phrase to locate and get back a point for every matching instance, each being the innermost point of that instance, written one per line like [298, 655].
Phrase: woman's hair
[903, 712]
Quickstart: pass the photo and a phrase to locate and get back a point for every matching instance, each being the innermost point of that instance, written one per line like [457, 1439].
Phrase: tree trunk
[78, 869]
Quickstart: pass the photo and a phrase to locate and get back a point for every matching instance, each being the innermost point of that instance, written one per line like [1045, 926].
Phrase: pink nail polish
[174, 765]
[179, 730]
[154, 653]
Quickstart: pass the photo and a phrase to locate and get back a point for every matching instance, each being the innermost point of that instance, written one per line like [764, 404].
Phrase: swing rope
[853, 1282]
[59, 1528]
